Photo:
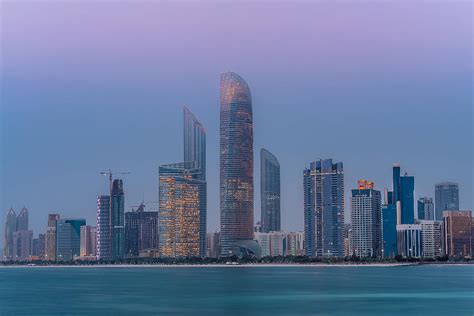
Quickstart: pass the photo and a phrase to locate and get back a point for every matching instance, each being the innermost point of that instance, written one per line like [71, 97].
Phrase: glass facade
[409, 240]
[457, 233]
[426, 208]
[236, 162]
[323, 193]
[141, 231]
[118, 219]
[270, 192]
[195, 151]
[10, 229]
[68, 238]
[179, 214]
[389, 230]
[104, 250]
[446, 198]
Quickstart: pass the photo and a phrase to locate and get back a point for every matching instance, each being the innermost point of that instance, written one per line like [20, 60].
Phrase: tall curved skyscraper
[236, 162]
[270, 192]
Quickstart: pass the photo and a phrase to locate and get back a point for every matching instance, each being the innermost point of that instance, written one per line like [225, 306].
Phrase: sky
[92, 85]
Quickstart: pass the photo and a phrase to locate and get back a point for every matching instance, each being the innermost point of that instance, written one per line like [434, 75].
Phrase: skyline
[53, 154]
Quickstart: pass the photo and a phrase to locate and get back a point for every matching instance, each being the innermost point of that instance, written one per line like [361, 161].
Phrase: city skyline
[70, 153]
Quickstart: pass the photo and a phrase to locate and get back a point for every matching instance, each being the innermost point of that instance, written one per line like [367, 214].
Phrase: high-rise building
[10, 229]
[88, 238]
[403, 196]
[68, 238]
[366, 220]
[141, 231]
[323, 186]
[118, 219]
[213, 245]
[430, 238]
[457, 234]
[446, 198]
[294, 244]
[50, 252]
[103, 231]
[41, 250]
[269, 192]
[347, 238]
[280, 243]
[179, 211]
[195, 151]
[409, 240]
[22, 219]
[389, 230]
[426, 208]
[22, 244]
[236, 166]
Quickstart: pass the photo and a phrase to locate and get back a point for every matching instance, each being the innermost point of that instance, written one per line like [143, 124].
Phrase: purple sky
[93, 85]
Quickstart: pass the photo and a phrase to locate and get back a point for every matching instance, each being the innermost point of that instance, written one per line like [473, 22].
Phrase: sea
[238, 290]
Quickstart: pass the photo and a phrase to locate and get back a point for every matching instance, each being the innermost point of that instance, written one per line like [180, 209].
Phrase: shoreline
[250, 265]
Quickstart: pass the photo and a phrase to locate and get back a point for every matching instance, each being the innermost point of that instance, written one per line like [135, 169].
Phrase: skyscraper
[446, 198]
[104, 250]
[179, 212]
[22, 244]
[456, 231]
[22, 219]
[323, 186]
[68, 238]
[425, 208]
[430, 238]
[50, 253]
[389, 230]
[118, 219]
[10, 228]
[409, 240]
[366, 220]
[269, 192]
[403, 196]
[195, 151]
[236, 163]
[141, 231]
[88, 241]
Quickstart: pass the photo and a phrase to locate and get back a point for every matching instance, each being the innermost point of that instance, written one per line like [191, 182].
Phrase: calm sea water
[406, 290]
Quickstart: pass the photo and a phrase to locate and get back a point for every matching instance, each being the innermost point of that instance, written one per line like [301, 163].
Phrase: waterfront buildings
[213, 245]
[430, 238]
[22, 244]
[236, 165]
[195, 151]
[366, 220]
[446, 198]
[457, 226]
[323, 186]
[179, 210]
[50, 252]
[88, 238]
[403, 196]
[409, 240]
[118, 219]
[103, 233]
[68, 238]
[10, 229]
[141, 231]
[269, 192]
[426, 208]
[280, 243]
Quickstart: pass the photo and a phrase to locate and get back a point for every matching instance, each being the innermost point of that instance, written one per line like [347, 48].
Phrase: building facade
[50, 252]
[10, 229]
[141, 231]
[88, 237]
[68, 238]
[389, 230]
[236, 163]
[430, 238]
[426, 208]
[446, 198]
[366, 220]
[213, 245]
[118, 219]
[457, 242]
[22, 244]
[103, 231]
[323, 186]
[269, 192]
[179, 210]
[409, 243]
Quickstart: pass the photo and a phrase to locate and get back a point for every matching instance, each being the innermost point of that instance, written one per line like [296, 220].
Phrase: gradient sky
[87, 86]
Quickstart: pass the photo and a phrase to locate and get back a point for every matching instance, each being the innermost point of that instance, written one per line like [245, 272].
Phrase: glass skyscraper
[104, 250]
[426, 208]
[403, 196]
[141, 231]
[236, 163]
[195, 151]
[446, 198]
[118, 219]
[68, 238]
[269, 192]
[389, 230]
[179, 213]
[323, 186]
[10, 229]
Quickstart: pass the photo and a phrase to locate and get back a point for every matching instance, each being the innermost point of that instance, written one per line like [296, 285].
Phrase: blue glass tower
[389, 230]
[407, 199]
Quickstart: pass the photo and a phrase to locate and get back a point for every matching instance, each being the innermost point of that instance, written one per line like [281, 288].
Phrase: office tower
[179, 211]
[269, 192]
[34, 247]
[141, 231]
[50, 253]
[430, 238]
[10, 228]
[22, 219]
[366, 219]
[389, 230]
[294, 244]
[323, 186]
[457, 233]
[446, 198]
[68, 238]
[236, 165]
[195, 151]
[409, 240]
[403, 196]
[22, 244]
[213, 245]
[347, 238]
[103, 231]
[88, 238]
[41, 246]
[425, 208]
[118, 219]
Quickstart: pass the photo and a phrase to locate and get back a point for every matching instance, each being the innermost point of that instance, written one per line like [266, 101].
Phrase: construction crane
[110, 173]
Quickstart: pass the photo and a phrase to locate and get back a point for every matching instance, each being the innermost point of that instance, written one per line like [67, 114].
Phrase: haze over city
[367, 84]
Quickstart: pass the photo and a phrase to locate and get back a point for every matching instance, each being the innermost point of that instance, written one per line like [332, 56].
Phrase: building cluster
[382, 223]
